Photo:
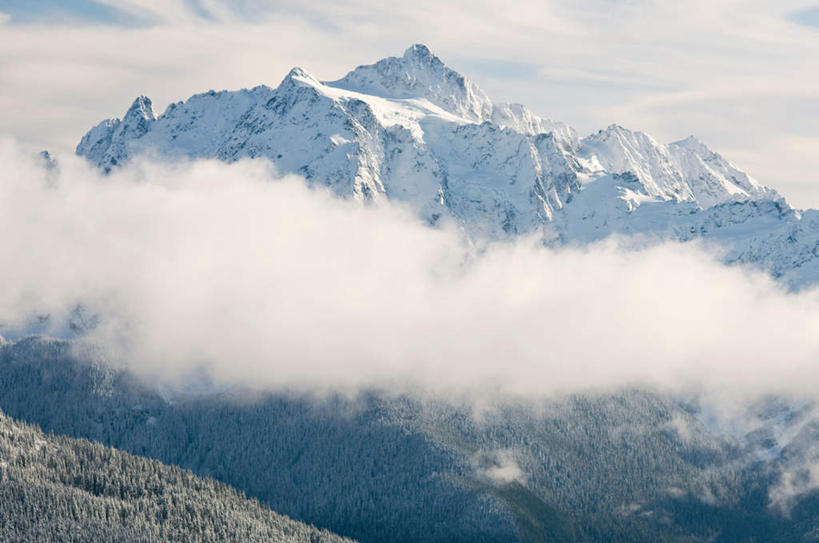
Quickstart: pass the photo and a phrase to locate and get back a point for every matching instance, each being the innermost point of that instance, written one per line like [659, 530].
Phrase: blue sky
[102, 12]
[739, 74]
[73, 11]
[807, 16]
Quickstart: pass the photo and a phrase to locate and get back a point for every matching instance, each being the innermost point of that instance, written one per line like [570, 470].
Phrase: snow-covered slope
[412, 130]
[53, 486]
[684, 171]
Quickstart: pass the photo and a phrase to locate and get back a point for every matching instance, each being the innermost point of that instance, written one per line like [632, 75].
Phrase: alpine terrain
[412, 130]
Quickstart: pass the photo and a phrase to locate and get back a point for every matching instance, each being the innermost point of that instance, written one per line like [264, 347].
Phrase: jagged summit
[419, 74]
[686, 170]
[690, 140]
[107, 143]
[694, 145]
[141, 108]
[421, 53]
[301, 76]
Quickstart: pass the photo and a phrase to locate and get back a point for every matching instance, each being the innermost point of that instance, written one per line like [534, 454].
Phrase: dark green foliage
[64, 489]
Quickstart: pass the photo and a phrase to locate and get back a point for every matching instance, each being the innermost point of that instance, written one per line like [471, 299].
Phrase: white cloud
[498, 467]
[794, 483]
[269, 284]
[741, 75]
[166, 11]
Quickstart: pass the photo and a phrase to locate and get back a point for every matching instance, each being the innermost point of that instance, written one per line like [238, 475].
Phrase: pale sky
[743, 76]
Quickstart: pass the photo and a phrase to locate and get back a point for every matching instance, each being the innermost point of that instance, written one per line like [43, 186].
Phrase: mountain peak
[300, 76]
[692, 143]
[615, 128]
[419, 74]
[420, 52]
[624, 136]
[141, 108]
[138, 119]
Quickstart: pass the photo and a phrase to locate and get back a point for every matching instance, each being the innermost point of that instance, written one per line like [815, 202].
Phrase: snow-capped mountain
[412, 130]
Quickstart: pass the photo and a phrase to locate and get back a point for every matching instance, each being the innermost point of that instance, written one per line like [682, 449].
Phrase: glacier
[411, 130]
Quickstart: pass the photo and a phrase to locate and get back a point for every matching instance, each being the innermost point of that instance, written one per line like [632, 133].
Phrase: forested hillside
[64, 489]
[632, 466]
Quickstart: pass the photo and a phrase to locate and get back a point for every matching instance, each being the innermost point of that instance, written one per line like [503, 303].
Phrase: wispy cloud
[794, 482]
[159, 11]
[739, 74]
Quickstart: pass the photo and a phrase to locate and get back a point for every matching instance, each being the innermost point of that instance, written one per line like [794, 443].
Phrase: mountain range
[411, 130]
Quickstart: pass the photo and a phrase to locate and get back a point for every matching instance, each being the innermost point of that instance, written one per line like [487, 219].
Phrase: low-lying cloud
[264, 282]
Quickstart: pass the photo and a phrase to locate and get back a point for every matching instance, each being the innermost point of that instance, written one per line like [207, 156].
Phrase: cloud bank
[266, 283]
